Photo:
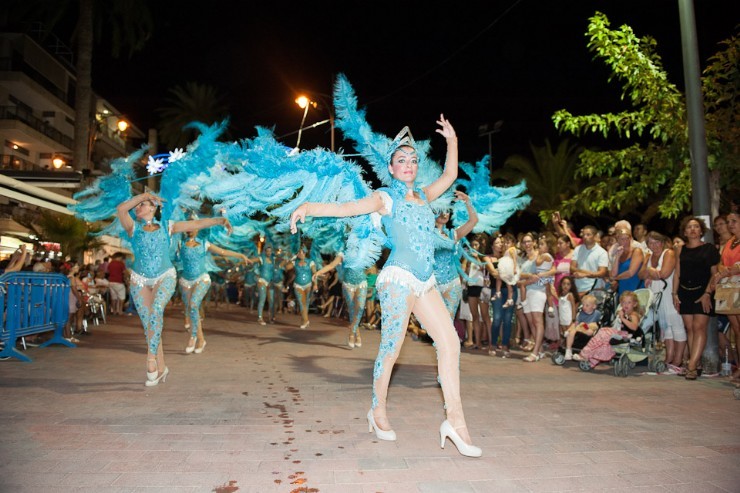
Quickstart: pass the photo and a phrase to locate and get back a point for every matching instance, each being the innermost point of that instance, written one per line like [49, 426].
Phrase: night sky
[478, 62]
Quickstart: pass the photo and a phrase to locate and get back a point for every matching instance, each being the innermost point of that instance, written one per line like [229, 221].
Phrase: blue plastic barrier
[32, 303]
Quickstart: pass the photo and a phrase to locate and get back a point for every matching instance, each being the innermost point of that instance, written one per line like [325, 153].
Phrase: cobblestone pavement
[279, 409]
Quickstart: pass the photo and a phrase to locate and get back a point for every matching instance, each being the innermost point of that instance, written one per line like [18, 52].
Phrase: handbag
[727, 297]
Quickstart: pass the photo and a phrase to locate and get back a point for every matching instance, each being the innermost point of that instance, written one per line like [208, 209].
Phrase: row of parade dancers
[405, 285]
[421, 275]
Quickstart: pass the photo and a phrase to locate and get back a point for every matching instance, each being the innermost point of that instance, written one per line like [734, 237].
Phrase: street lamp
[483, 131]
[304, 102]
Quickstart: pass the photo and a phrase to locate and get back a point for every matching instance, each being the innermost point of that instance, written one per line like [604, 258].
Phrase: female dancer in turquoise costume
[266, 273]
[250, 281]
[194, 283]
[278, 286]
[354, 289]
[153, 275]
[303, 284]
[447, 261]
[406, 284]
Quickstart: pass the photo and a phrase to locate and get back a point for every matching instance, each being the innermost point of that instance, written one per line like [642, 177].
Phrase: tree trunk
[83, 92]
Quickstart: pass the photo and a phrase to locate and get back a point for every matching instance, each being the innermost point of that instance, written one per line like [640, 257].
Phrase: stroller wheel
[618, 367]
[660, 366]
[584, 365]
[558, 358]
[624, 365]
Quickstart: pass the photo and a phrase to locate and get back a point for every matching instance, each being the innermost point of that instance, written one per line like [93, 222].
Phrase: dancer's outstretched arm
[449, 175]
[198, 224]
[373, 203]
[228, 253]
[466, 228]
[328, 267]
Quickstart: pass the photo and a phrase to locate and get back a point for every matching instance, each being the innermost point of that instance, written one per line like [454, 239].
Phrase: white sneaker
[568, 356]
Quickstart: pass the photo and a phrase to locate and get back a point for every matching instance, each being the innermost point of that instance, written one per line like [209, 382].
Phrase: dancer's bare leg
[396, 301]
[431, 312]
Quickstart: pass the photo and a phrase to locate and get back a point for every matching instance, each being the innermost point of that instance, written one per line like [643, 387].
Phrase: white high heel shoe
[446, 430]
[200, 349]
[151, 375]
[190, 347]
[162, 377]
[389, 435]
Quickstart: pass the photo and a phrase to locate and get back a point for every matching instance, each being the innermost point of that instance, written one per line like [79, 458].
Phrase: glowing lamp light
[58, 162]
[302, 101]
[122, 125]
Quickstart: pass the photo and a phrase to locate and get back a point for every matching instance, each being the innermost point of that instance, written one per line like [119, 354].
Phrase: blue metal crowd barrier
[32, 303]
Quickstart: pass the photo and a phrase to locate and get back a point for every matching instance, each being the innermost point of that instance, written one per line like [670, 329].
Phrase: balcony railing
[8, 162]
[15, 113]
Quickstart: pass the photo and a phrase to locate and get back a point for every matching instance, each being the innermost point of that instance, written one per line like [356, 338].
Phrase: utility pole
[695, 109]
[483, 130]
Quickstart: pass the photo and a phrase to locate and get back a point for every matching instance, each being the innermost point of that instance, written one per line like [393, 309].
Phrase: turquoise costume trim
[152, 268]
[354, 296]
[414, 223]
[193, 260]
[452, 295]
[410, 230]
[151, 251]
[303, 273]
[266, 273]
[303, 283]
[446, 270]
[194, 281]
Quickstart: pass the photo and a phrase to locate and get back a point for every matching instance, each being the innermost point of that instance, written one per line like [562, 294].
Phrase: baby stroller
[606, 303]
[632, 350]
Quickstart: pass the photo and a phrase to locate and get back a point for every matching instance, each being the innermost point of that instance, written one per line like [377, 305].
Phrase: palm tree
[193, 102]
[73, 235]
[550, 176]
[125, 23]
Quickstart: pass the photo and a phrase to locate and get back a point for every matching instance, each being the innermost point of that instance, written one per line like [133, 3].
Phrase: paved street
[278, 409]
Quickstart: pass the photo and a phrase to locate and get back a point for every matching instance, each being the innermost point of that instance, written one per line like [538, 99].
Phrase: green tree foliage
[549, 175]
[73, 235]
[657, 165]
[185, 104]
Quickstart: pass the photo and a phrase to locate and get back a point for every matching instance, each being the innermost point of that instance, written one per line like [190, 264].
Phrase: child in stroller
[626, 325]
[585, 326]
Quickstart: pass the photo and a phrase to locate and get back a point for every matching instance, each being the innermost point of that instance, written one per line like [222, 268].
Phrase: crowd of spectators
[547, 304]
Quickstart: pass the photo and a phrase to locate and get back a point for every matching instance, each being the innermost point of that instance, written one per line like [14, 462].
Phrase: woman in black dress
[692, 293]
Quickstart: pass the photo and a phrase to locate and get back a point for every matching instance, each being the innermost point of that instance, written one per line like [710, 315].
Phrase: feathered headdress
[493, 205]
[378, 149]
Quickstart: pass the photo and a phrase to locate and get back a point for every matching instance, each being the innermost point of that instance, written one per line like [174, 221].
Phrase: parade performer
[447, 260]
[406, 284]
[152, 274]
[266, 273]
[303, 284]
[354, 290]
[195, 282]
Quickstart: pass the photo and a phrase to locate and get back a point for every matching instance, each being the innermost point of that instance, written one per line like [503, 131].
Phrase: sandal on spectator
[691, 375]
[532, 358]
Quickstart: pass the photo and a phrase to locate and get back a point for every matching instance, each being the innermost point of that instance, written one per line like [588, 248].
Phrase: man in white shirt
[590, 262]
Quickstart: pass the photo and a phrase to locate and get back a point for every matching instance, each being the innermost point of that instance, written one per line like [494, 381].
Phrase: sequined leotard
[194, 281]
[152, 267]
[446, 262]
